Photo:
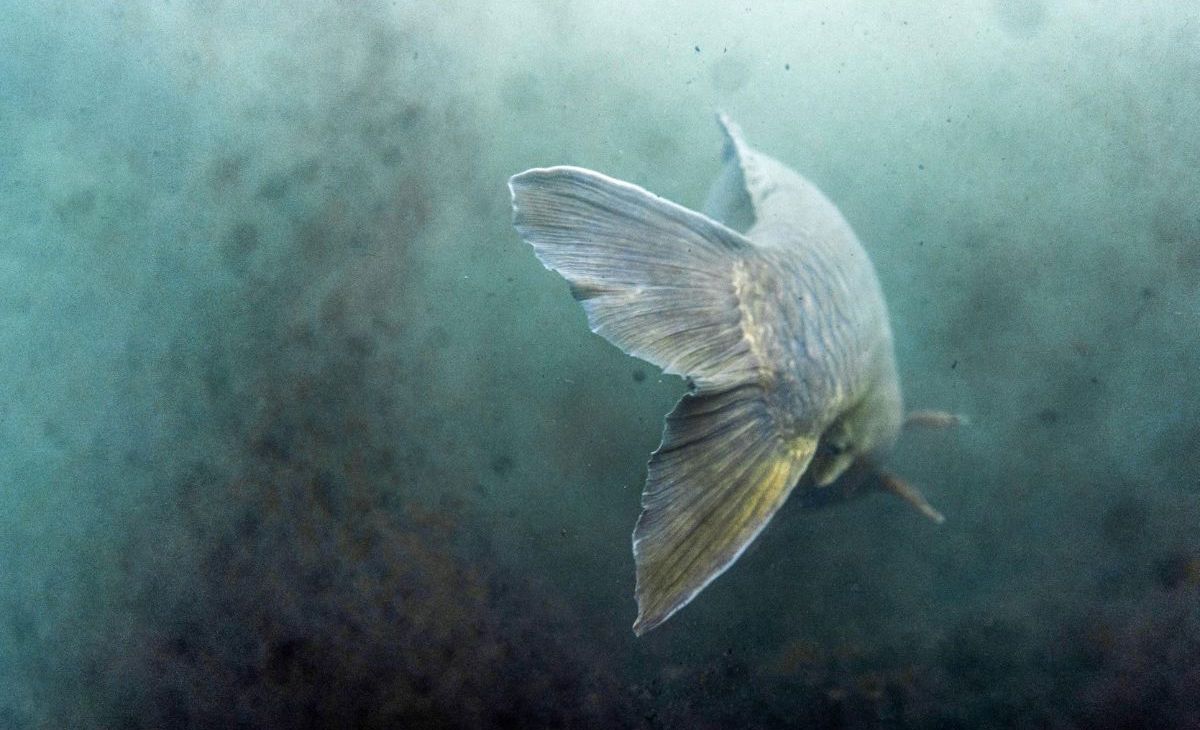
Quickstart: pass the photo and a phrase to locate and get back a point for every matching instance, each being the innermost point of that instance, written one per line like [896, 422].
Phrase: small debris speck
[920, 166]
[787, 67]
[697, 48]
[954, 364]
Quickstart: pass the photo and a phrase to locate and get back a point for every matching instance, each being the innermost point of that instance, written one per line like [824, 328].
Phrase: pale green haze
[296, 432]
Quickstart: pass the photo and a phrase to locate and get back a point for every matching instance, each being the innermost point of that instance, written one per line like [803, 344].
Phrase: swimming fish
[770, 308]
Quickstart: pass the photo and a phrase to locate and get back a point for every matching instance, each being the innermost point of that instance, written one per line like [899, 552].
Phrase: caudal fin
[684, 292]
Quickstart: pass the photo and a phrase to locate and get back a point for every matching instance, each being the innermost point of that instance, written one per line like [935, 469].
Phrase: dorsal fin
[755, 189]
[728, 200]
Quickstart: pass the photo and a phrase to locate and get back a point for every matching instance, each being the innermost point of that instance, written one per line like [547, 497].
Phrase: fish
[770, 308]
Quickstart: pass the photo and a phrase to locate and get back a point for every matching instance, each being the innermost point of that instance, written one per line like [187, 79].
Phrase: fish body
[828, 330]
[770, 307]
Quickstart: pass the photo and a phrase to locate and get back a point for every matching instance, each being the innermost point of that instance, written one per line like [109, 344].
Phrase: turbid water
[297, 432]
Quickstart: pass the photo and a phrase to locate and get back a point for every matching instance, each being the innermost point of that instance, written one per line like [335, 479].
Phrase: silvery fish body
[768, 305]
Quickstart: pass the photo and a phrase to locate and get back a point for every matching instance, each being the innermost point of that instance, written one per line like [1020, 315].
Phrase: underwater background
[296, 432]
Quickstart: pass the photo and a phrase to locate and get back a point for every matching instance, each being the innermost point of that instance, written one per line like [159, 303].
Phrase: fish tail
[664, 283]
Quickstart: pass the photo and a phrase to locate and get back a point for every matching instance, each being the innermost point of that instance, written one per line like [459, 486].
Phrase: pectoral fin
[904, 490]
[719, 476]
[935, 420]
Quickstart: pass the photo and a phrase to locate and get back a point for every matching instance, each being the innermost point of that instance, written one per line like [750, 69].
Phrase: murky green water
[296, 432]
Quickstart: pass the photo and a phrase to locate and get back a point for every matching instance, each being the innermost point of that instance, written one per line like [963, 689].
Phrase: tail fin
[677, 289]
